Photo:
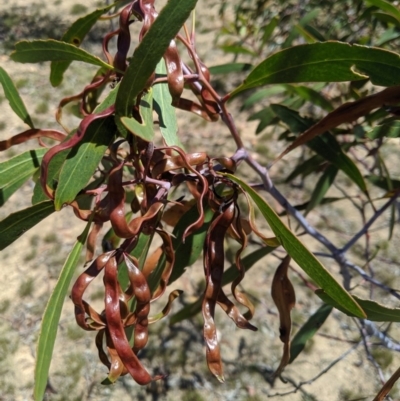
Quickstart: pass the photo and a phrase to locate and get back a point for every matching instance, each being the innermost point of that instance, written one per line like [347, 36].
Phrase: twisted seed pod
[124, 39]
[284, 297]
[117, 208]
[116, 327]
[240, 296]
[32, 134]
[68, 144]
[233, 312]
[204, 189]
[91, 240]
[174, 71]
[80, 286]
[213, 269]
[176, 163]
[142, 296]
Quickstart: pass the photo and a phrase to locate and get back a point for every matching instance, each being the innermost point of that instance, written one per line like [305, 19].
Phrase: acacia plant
[124, 167]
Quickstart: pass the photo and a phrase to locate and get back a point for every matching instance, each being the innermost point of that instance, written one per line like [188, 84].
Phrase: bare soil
[31, 266]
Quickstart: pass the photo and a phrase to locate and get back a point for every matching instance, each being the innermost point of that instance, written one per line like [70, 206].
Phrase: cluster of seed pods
[153, 173]
[129, 307]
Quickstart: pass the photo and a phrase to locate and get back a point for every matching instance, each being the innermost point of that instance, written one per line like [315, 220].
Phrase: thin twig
[369, 223]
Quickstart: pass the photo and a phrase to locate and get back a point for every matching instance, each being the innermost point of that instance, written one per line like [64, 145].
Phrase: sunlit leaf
[18, 223]
[387, 7]
[144, 129]
[300, 254]
[83, 159]
[38, 51]
[13, 97]
[165, 111]
[308, 330]
[373, 310]
[17, 170]
[325, 62]
[75, 35]
[51, 317]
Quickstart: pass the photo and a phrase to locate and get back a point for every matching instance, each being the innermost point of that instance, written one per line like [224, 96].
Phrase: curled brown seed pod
[233, 312]
[142, 295]
[117, 208]
[81, 307]
[284, 297]
[116, 328]
[32, 134]
[213, 269]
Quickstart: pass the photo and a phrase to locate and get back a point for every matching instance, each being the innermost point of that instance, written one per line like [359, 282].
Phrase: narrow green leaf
[300, 254]
[51, 317]
[310, 95]
[308, 330]
[302, 31]
[382, 182]
[38, 51]
[238, 49]
[229, 275]
[389, 35]
[75, 35]
[373, 310]
[389, 129]
[261, 94]
[228, 68]
[83, 160]
[164, 109]
[269, 29]
[18, 223]
[387, 7]
[149, 52]
[321, 188]
[16, 171]
[303, 22]
[325, 62]
[144, 129]
[13, 97]
[305, 168]
[325, 145]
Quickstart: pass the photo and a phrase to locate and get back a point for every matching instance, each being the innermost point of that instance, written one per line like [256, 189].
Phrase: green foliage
[51, 317]
[124, 164]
